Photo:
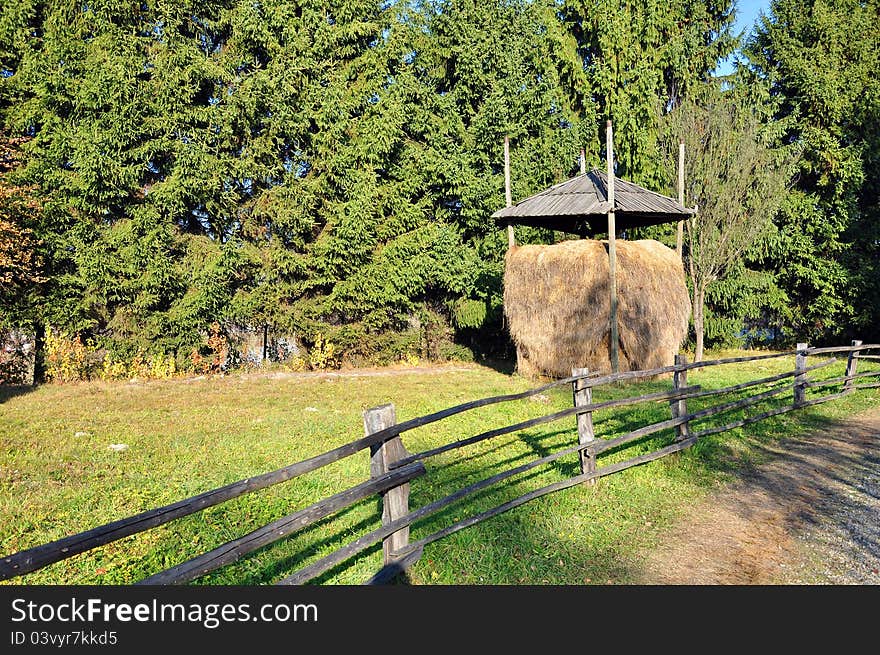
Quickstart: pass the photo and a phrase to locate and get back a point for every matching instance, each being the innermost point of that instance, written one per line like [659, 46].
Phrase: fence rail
[392, 468]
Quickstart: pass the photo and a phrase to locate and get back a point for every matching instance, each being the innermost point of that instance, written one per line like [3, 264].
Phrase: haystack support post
[583, 162]
[508, 197]
[679, 235]
[612, 250]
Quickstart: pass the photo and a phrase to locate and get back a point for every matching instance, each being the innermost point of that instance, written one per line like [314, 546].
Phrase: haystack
[556, 299]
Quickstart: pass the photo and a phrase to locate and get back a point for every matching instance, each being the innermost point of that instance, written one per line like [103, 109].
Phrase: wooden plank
[843, 349]
[852, 363]
[765, 415]
[565, 484]
[800, 378]
[738, 360]
[582, 396]
[55, 551]
[745, 421]
[551, 488]
[843, 378]
[601, 446]
[362, 543]
[234, 550]
[753, 383]
[384, 456]
[320, 566]
[869, 356]
[548, 418]
[679, 407]
[867, 386]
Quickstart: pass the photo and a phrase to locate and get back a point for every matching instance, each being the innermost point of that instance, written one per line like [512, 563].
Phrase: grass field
[58, 474]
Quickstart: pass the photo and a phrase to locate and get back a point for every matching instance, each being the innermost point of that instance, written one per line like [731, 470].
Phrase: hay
[556, 300]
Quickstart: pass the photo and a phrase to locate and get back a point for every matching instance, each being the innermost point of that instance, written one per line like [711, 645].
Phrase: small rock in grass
[118, 447]
[310, 409]
[82, 434]
[539, 398]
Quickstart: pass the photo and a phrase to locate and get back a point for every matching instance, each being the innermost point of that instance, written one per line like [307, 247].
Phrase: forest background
[180, 180]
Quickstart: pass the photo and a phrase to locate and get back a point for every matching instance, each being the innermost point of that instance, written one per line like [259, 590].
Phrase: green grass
[186, 436]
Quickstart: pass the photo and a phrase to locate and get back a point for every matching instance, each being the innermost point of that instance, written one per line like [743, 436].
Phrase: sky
[746, 15]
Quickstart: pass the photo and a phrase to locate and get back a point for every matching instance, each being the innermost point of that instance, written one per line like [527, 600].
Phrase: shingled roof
[580, 206]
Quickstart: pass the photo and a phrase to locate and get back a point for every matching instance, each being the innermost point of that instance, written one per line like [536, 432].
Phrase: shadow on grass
[823, 477]
[10, 391]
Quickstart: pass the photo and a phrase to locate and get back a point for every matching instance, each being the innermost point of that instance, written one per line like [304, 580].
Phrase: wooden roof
[580, 206]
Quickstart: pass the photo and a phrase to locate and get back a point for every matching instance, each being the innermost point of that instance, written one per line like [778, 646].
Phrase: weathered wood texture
[754, 383]
[596, 447]
[40, 556]
[800, 378]
[852, 363]
[556, 486]
[612, 251]
[583, 395]
[384, 456]
[392, 468]
[679, 232]
[679, 407]
[762, 416]
[603, 445]
[842, 349]
[234, 550]
[508, 197]
[548, 418]
[843, 378]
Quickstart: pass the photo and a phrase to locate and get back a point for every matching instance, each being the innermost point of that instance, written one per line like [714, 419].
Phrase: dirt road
[810, 514]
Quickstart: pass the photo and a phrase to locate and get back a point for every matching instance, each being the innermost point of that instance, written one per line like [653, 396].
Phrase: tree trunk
[39, 354]
[699, 295]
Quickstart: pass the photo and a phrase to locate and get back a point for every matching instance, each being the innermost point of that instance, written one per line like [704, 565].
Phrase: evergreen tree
[816, 62]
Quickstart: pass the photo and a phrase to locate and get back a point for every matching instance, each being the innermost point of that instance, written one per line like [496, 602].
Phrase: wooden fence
[393, 468]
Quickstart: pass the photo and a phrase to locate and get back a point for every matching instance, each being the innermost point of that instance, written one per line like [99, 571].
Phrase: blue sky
[746, 15]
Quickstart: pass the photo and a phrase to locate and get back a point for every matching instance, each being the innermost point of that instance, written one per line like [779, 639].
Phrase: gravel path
[810, 514]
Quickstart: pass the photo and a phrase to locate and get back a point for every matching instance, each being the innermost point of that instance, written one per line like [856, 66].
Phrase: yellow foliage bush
[321, 354]
[157, 367]
[67, 360]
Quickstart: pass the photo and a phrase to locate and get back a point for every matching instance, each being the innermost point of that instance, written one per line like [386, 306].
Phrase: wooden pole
[679, 235]
[800, 379]
[679, 407]
[612, 250]
[583, 161]
[395, 501]
[852, 363]
[508, 197]
[583, 395]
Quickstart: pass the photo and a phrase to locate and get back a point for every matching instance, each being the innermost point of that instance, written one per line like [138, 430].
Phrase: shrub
[321, 354]
[67, 359]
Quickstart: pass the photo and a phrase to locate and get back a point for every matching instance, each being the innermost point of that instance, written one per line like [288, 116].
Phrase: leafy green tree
[735, 181]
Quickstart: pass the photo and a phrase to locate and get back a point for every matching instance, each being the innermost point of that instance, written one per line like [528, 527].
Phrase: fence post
[679, 407]
[800, 378]
[852, 364]
[395, 501]
[583, 395]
